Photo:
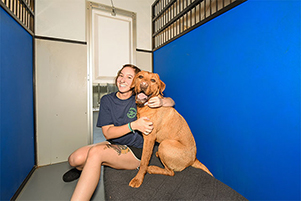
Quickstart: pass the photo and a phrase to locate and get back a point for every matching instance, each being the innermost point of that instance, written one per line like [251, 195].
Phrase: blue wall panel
[17, 127]
[236, 80]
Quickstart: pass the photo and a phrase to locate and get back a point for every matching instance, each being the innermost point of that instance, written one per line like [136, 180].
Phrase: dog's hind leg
[157, 170]
[199, 165]
[169, 152]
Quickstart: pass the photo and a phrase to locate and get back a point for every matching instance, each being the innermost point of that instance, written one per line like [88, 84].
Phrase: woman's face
[125, 79]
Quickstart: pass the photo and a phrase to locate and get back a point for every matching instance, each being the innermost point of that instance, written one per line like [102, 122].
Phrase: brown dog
[177, 149]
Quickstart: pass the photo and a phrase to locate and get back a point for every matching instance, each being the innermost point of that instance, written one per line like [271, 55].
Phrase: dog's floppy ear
[161, 84]
[134, 81]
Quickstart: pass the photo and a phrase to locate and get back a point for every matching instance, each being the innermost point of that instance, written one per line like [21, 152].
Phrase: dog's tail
[199, 165]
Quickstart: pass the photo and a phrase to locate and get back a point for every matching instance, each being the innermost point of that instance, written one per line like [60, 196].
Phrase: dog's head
[147, 85]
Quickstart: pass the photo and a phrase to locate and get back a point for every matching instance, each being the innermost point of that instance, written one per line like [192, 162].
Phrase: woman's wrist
[167, 102]
[131, 126]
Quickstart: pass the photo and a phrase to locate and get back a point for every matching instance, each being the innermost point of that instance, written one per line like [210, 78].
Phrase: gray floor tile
[46, 184]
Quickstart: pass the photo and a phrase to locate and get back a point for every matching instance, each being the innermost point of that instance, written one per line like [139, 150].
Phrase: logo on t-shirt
[132, 113]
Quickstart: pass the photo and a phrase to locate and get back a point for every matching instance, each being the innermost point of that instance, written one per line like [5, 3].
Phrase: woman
[123, 148]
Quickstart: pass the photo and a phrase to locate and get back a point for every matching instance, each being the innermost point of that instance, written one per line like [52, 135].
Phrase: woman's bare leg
[116, 156]
[78, 158]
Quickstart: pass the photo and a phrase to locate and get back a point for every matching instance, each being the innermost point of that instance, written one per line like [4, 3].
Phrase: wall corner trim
[60, 40]
[17, 193]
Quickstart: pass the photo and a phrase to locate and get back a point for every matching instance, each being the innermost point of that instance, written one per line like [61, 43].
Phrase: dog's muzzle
[142, 97]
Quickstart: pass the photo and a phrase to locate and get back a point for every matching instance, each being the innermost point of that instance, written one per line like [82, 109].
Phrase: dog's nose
[143, 85]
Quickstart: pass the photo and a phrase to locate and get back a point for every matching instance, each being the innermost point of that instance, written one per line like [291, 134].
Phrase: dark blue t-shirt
[119, 112]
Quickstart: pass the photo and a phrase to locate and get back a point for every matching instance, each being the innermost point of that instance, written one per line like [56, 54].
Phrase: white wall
[61, 100]
[66, 18]
[63, 19]
[61, 69]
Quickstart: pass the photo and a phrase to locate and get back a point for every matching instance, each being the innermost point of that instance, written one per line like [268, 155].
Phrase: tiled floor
[46, 182]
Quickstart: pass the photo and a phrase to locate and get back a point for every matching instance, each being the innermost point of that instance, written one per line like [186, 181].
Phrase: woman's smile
[124, 81]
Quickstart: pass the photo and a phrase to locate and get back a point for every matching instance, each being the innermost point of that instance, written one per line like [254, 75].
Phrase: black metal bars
[22, 11]
[173, 18]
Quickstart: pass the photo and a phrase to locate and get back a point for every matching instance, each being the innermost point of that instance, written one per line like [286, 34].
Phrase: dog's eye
[140, 76]
[153, 80]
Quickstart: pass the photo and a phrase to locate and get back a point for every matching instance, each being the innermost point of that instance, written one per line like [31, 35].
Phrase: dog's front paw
[135, 183]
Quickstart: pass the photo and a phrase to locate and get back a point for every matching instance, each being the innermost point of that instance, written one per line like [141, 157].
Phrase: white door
[111, 44]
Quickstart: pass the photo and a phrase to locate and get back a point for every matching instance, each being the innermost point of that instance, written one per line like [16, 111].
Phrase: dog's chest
[160, 117]
[154, 114]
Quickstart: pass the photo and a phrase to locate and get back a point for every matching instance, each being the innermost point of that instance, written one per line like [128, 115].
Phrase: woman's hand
[156, 102]
[143, 124]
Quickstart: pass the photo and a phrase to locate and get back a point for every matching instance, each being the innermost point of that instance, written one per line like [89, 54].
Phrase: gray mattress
[190, 184]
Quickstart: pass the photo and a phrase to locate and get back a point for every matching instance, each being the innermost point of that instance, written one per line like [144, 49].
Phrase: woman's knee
[95, 152]
[77, 159]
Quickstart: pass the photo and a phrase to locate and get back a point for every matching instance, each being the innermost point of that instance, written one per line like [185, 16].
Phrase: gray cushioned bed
[190, 184]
